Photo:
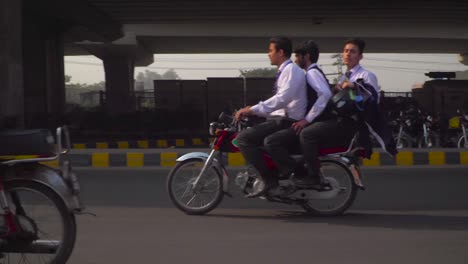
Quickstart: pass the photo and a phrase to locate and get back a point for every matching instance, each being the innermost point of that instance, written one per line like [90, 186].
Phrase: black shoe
[269, 185]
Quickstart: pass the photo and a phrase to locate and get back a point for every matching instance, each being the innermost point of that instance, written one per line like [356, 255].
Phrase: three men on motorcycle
[299, 112]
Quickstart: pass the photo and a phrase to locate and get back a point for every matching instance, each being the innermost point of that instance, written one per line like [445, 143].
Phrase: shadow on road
[410, 221]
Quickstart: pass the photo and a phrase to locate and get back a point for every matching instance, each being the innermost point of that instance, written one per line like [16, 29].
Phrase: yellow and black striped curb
[145, 144]
[168, 159]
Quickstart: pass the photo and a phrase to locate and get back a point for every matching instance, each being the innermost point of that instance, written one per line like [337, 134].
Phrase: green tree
[147, 77]
[259, 72]
[339, 66]
[170, 74]
[76, 92]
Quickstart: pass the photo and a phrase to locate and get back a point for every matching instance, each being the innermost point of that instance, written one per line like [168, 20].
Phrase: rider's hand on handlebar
[243, 112]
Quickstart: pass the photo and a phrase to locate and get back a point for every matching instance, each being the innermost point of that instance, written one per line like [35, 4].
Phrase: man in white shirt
[352, 55]
[372, 121]
[286, 106]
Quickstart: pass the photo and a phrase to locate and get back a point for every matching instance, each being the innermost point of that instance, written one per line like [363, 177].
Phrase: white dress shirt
[290, 99]
[317, 81]
[358, 72]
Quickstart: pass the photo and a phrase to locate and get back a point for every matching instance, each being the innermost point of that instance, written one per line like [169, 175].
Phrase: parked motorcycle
[414, 129]
[38, 203]
[199, 181]
[461, 137]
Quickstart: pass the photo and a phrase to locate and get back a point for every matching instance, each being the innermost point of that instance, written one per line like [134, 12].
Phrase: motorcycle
[199, 181]
[460, 139]
[414, 129]
[38, 202]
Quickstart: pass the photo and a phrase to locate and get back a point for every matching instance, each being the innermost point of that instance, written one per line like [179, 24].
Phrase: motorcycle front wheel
[339, 176]
[195, 200]
[403, 143]
[432, 141]
[47, 228]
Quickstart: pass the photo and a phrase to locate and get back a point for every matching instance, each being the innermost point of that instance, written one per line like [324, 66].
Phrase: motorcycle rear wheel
[336, 172]
[180, 187]
[49, 226]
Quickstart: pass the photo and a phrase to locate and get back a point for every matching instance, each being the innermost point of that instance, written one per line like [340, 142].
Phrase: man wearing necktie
[371, 120]
[352, 55]
[286, 106]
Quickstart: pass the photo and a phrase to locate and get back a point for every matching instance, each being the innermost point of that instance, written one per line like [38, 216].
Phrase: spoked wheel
[341, 179]
[461, 142]
[192, 199]
[47, 228]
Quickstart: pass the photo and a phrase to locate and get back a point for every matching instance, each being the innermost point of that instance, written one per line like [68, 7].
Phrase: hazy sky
[395, 72]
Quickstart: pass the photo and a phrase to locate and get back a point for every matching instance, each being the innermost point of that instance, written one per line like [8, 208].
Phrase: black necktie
[348, 75]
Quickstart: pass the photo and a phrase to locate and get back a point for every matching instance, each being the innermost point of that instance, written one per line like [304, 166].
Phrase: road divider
[103, 158]
[167, 158]
[145, 144]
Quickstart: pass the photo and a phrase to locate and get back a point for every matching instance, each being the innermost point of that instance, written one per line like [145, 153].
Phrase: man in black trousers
[287, 105]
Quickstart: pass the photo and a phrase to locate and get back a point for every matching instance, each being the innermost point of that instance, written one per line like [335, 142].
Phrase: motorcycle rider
[286, 106]
[352, 55]
[371, 120]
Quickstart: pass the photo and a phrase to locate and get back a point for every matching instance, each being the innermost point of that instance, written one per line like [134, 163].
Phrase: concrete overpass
[125, 33]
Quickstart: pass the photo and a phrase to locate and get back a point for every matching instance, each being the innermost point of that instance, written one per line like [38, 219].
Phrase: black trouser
[252, 139]
[280, 145]
[327, 131]
[330, 133]
[283, 143]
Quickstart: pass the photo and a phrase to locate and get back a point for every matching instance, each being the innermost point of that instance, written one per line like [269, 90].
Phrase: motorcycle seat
[26, 142]
[328, 151]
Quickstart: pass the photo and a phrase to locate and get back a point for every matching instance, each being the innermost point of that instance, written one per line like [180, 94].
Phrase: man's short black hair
[308, 47]
[360, 43]
[282, 43]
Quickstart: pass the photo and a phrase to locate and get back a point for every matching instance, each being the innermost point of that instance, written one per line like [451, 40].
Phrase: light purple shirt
[358, 72]
[291, 97]
[317, 81]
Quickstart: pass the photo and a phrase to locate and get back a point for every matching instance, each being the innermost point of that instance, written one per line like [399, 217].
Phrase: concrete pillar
[34, 65]
[44, 84]
[11, 63]
[55, 77]
[119, 70]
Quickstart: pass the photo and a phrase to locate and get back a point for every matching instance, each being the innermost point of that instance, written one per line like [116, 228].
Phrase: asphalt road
[404, 216]
[388, 188]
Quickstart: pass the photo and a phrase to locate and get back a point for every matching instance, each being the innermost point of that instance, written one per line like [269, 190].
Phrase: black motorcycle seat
[26, 142]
